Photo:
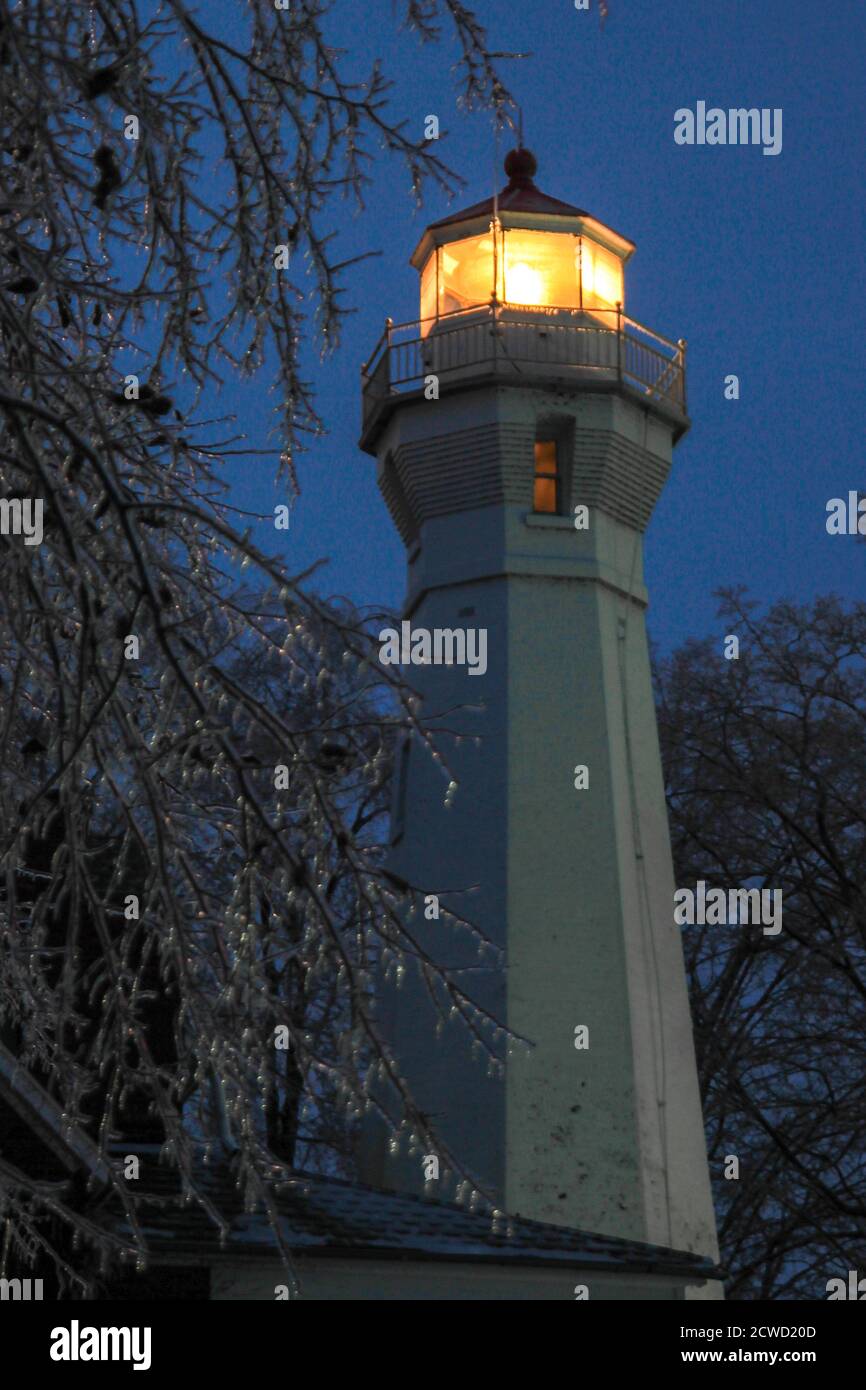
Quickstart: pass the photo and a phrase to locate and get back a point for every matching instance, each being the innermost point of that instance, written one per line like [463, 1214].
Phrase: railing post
[681, 344]
[619, 340]
[389, 324]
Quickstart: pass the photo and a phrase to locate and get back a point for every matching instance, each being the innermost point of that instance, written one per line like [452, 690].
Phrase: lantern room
[521, 249]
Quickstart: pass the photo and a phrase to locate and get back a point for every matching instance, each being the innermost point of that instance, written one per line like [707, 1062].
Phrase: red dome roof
[519, 195]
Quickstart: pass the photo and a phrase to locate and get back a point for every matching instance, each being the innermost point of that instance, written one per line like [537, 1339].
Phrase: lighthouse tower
[524, 428]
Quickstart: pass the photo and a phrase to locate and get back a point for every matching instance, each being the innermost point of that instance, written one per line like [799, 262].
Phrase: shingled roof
[332, 1216]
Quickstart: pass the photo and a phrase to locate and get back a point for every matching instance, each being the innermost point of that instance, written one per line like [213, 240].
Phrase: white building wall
[576, 885]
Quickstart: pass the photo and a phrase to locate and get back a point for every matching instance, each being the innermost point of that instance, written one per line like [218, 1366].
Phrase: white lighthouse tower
[524, 429]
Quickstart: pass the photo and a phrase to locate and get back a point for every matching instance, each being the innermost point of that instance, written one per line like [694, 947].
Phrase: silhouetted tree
[765, 759]
[166, 194]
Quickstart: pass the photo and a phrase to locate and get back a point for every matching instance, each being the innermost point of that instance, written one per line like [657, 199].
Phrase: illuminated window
[547, 477]
[541, 269]
[466, 276]
[429, 292]
[601, 276]
[523, 268]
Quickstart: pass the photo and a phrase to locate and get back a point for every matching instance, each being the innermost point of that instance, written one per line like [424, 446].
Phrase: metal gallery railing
[510, 340]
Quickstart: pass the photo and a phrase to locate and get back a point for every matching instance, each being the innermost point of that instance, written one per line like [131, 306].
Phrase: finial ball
[520, 166]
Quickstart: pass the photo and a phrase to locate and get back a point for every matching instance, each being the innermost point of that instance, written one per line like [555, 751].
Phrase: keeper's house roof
[331, 1216]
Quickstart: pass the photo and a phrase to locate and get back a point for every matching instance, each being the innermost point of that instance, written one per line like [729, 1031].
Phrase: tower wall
[575, 886]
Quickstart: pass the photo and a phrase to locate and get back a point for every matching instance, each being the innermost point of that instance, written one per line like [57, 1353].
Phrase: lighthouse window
[547, 477]
[429, 293]
[601, 281]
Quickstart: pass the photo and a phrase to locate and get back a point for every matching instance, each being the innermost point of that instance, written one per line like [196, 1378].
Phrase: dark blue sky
[756, 260]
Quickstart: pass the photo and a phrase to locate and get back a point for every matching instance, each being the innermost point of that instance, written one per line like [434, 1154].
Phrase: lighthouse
[523, 429]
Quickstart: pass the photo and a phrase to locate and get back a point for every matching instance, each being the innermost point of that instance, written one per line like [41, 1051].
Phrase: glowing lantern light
[521, 249]
[523, 285]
